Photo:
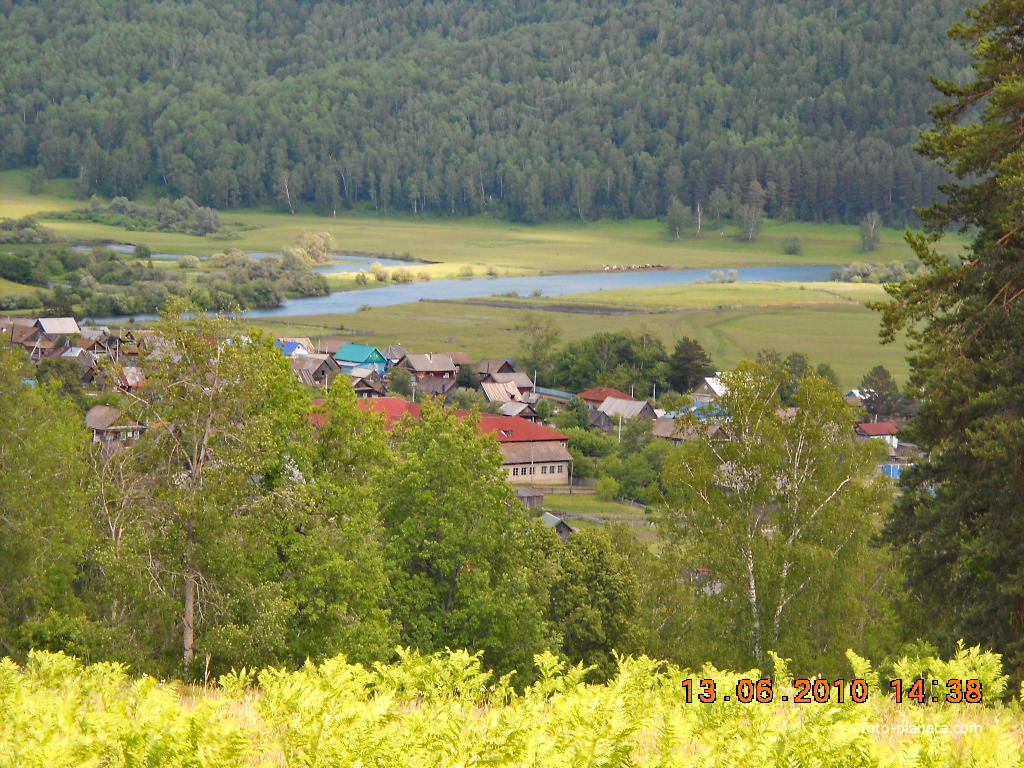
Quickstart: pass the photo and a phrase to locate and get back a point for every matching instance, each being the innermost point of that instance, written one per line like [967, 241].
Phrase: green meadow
[480, 241]
[841, 331]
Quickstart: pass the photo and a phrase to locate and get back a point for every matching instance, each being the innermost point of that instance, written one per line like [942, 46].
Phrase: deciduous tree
[777, 516]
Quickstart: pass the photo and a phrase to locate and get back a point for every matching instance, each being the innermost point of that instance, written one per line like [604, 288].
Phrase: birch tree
[774, 518]
[237, 549]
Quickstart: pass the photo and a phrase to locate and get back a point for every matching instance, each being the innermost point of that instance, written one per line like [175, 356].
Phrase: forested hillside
[527, 109]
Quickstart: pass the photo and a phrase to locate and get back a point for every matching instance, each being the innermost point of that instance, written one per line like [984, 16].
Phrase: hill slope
[526, 108]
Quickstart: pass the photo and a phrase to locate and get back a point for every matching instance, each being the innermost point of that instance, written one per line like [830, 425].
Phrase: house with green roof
[361, 356]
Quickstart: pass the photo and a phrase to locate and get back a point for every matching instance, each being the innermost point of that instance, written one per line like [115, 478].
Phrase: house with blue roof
[353, 356]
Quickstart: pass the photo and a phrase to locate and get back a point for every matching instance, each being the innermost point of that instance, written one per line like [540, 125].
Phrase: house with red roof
[597, 395]
[534, 454]
[886, 431]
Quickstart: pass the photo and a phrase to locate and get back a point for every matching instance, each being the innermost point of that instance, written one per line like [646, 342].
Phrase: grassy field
[706, 295]
[832, 329]
[480, 241]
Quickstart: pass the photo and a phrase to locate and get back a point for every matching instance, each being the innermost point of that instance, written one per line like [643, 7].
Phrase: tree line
[527, 109]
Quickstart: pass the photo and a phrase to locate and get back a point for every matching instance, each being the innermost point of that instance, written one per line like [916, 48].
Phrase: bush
[188, 261]
[362, 278]
[791, 246]
[379, 273]
[423, 277]
[607, 489]
[491, 271]
[402, 276]
[466, 271]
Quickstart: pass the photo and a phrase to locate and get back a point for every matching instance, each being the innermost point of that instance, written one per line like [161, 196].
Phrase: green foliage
[778, 515]
[620, 360]
[45, 488]
[400, 382]
[458, 556]
[688, 365]
[792, 246]
[957, 522]
[594, 601]
[674, 105]
[449, 709]
[894, 272]
[313, 247]
[607, 488]
[183, 215]
[26, 230]
[870, 231]
[882, 398]
[64, 376]
[539, 336]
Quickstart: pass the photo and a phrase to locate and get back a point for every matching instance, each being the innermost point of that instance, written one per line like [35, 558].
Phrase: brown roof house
[439, 364]
[617, 408]
[492, 365]
[521, 381]
[366, 382]
[315, 370]
[110, 430]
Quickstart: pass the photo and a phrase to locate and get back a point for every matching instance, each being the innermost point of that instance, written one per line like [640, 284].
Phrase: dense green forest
[526, 109]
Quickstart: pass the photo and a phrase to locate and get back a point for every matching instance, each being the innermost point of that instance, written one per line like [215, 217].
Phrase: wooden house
[439, 365]
[597, 395]
[353, 356]
[317, 370]
[618, 408]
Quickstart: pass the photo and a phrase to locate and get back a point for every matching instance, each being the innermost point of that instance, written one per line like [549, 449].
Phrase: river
[343, 302]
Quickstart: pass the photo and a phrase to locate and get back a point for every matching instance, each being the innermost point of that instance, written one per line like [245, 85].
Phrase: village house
[100, 342]
[366, 382]
[291, 347]
[522, 382]
[522, 410]
[109, 429]
[562, 528]
[679, 432]
[618, 408]
[329, 346]
[597, 395]
[534, 454]
[599, 420]
[490, 366]
[437, 386]
[86, 361]
[530, 498]
[459, 357]
[500, 392]
[317, 370]
[885, 431]
[353, 356]
[439, 365]
[395, 354]
[710, 390]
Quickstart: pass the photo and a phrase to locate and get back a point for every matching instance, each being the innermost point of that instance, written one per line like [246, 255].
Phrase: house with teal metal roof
[361, 356]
